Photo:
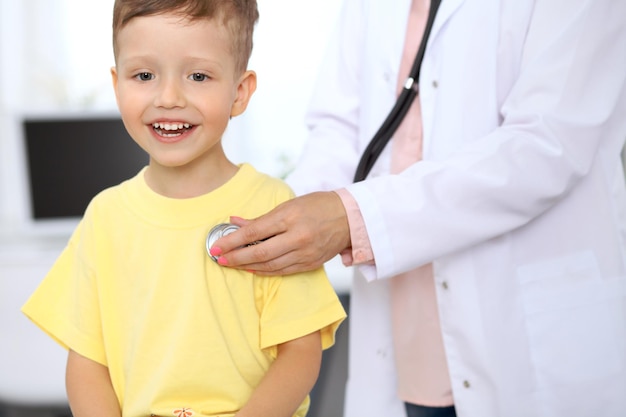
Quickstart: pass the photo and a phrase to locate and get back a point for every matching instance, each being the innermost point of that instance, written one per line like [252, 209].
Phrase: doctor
[509, 232]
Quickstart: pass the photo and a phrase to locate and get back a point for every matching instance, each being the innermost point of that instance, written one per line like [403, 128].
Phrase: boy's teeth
[171, 126]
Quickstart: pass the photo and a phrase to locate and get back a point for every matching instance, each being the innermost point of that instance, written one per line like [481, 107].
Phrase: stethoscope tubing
[400, 108]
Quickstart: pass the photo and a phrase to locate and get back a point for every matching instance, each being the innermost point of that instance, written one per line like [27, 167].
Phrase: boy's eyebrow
[201, 59]
[124, 59]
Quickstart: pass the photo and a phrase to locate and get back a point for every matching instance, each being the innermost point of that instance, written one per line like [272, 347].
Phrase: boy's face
[176, 88]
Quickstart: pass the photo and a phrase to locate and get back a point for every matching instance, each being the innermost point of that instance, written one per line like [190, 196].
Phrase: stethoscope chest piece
[217, 232]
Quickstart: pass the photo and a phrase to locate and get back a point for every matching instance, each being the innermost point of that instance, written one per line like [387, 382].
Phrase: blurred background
[55, 57]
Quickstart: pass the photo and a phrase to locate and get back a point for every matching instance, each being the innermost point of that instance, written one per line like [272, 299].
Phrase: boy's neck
[188, 181]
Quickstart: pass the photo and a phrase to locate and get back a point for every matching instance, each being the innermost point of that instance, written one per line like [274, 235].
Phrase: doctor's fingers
[295, 250]
[288, 218]
[294, 246]
[270, 258]
[298, 235]
[249, 232]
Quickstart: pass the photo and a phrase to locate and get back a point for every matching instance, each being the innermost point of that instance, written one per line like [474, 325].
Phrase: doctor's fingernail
[214, 251]
[222, 261]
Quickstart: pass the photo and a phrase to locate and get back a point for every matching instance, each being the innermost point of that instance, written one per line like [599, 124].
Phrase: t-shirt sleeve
[65, 304]
[296, 305]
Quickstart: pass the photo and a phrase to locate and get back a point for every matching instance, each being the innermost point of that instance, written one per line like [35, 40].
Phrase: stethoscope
[399, 110]
[218, 231]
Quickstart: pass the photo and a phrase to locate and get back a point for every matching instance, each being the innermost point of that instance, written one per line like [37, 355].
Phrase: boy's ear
[114, 78]
[245, 89]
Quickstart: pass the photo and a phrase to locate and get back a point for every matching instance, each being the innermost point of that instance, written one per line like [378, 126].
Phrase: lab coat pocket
[574, 319]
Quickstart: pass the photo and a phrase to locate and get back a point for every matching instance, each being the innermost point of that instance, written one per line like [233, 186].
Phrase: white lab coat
[520, 201]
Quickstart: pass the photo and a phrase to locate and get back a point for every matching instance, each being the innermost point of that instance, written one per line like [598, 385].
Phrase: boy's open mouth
[169, 130]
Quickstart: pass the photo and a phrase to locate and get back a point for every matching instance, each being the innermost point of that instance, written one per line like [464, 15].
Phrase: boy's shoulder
[268, 182]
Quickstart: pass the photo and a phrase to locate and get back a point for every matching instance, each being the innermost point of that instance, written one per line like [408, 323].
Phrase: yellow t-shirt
[136, 291]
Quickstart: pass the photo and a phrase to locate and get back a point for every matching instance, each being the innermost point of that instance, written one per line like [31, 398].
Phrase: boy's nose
[170, 95]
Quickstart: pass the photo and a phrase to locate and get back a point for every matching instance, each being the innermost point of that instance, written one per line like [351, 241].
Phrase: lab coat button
[435, 84]
[444, 285]
[466, 384]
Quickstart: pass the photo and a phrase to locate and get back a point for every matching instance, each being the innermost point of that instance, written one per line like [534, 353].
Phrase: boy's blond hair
[238, 16]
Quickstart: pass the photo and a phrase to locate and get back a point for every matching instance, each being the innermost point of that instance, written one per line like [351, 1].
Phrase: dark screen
[71, 160]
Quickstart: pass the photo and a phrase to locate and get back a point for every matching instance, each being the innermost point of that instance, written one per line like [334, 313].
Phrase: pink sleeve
[361, 251]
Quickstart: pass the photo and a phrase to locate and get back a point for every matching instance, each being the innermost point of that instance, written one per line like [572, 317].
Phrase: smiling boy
[153, 326]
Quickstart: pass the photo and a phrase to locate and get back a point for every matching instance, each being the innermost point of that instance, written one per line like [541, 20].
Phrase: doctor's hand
[298, 235]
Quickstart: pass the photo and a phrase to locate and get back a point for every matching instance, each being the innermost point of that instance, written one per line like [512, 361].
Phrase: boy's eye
[144, 76]
[199, 76]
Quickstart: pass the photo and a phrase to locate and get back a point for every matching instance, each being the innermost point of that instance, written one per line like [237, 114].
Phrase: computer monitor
[69, 159]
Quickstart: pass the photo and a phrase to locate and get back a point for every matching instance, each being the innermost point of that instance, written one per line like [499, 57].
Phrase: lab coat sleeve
[330, 155]
[566, 107]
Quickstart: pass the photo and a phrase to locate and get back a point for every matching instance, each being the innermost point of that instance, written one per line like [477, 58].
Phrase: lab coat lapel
[398, 17]
[446, 9]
